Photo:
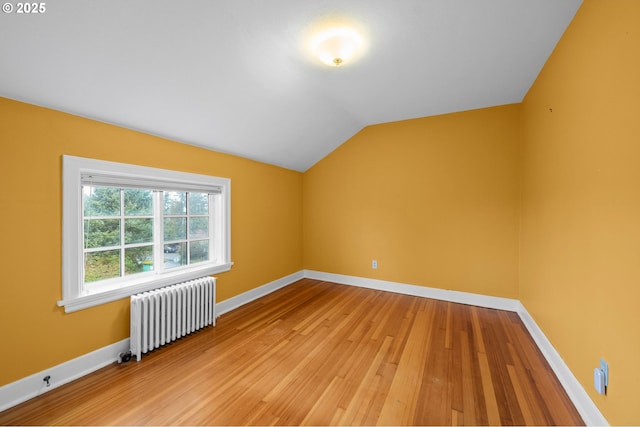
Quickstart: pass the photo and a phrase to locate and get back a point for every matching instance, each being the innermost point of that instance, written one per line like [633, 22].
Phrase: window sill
[81, 302]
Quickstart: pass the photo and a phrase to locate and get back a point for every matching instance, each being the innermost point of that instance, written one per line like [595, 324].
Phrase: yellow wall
[580, 239]
[538, 201]
[433, 200]
[36, 334]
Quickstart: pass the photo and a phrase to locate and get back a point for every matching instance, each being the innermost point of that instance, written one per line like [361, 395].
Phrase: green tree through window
[108, 246]
[119, 227]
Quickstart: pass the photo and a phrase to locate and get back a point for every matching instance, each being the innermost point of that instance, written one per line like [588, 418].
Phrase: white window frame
[75, 296]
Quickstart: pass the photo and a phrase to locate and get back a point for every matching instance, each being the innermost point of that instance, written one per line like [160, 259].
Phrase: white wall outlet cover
[598, 380]
[604, 367]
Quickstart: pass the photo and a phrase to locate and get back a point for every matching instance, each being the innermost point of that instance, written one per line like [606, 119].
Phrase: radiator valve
[124, 357]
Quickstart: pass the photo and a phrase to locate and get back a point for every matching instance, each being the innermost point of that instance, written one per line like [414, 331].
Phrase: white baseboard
[589, 412]
[26, 388]
[499, 303]
[255, 293]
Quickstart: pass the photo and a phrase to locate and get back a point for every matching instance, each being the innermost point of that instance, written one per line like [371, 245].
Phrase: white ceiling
[235, 75]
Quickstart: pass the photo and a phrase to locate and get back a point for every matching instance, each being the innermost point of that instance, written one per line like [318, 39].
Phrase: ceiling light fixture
[336, 46]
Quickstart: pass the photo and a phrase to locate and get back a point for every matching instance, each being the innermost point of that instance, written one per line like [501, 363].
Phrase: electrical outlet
[604, 367]
[374, 264]
[601, 377]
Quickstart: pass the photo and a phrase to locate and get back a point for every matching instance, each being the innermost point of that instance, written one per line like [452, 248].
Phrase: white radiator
[166, 314]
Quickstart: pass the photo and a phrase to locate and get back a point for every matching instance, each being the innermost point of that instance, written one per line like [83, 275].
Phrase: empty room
[323, 212]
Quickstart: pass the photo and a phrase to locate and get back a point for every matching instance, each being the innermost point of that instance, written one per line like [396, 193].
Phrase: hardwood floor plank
[498, 359]
[359, 405]
[455, 368]
[456, 418]
[326, 403]
[520, 396]
[493, 414]
[434, 387]
[319, 353]
[477, 330]
[467, 387]
[401, 400]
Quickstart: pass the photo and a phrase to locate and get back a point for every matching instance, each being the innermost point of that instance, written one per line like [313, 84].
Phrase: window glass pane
[138, 260]
[199, 251]
[138, 230]
[138, 202]
[175, 229]
[99, 233]
[175, 254]
[199, 227]
[175, 203]
[198, 203]
[101, 201]
[101, 265]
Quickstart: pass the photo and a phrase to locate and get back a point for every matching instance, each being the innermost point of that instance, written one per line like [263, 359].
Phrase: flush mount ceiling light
[336, 46]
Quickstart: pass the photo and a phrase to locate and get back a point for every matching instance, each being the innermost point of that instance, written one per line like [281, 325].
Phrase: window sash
[157, 242]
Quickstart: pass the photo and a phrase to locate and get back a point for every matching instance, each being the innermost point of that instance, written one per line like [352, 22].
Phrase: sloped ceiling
[236, 75]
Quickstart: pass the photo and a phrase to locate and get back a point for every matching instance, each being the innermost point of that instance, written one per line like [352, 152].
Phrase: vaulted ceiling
[237, 76]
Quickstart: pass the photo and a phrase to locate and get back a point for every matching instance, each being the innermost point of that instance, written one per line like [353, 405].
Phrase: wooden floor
[318, 353]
